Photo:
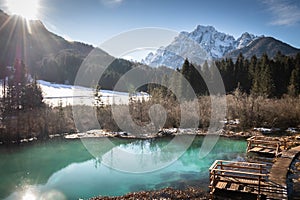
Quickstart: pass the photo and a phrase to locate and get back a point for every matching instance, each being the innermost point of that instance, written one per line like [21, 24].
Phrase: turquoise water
[60, 169]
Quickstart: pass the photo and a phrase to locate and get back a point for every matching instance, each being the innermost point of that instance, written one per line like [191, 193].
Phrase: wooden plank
[214, 165]
[221, 185]
[251, 138]
[235, 162]
[273, 152]
[247, 189]
[269, 150]
[252, 182]
[237, 178]
[256, 149]
[240, 172]
[263, 150]
[234, 187]
[245, 181]
[248, 181]
[241, 167]
[265, 142]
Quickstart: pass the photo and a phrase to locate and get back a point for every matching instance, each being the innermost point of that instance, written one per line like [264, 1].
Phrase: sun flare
[28, 9]
[29, 196]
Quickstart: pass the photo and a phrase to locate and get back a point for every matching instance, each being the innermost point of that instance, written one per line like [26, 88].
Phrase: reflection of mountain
[36, 163]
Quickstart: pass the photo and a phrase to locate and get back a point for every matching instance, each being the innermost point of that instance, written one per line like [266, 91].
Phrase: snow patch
[56, 94]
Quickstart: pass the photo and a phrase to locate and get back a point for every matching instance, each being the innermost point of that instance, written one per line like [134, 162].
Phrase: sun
[28, 9]
[29, 196]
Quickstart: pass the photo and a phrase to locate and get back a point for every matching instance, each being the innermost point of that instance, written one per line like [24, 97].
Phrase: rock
[166, 193]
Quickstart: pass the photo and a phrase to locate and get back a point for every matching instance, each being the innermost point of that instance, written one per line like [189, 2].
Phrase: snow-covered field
[75, 95]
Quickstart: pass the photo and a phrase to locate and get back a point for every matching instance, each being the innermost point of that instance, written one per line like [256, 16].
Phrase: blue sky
[94, 21]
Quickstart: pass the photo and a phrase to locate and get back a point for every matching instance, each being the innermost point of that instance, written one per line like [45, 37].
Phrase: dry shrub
[252, 111]
[282, 113]
[257, 111]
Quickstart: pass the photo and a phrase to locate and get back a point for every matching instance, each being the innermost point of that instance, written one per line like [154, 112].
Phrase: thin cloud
[285, 12]
[111, 3]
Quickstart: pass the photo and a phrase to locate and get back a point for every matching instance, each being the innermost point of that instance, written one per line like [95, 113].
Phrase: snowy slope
[204, 43]
[76, 95]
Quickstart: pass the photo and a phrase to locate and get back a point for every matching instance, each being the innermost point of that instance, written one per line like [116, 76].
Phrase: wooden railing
[265, 142]
[237, 174]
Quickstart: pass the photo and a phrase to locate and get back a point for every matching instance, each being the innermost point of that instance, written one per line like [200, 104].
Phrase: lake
[64, 169]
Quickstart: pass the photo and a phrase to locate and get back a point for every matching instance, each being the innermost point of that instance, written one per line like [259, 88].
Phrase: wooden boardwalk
[280, 169]
[252, 178]
[265, 145]
[242, 177]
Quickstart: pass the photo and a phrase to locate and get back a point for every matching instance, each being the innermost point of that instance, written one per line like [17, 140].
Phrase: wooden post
[249, 146]
[277, 149]
[212, 183]
[259, 179]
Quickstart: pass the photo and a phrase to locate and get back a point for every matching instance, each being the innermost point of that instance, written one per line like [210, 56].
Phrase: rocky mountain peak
[203, 43]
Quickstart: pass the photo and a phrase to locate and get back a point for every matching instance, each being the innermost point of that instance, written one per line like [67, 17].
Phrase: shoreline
[180, 132]
[165, 193]
[168, 132]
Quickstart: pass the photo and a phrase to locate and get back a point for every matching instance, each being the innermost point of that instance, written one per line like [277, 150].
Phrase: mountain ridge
[268, 45]
[206, 43]
[30, 41]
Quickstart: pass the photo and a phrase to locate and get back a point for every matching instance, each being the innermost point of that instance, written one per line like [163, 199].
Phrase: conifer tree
[242, 73]
[267, 84]
[186, 72]
[280, 75]
[294, 86]
[19, 91]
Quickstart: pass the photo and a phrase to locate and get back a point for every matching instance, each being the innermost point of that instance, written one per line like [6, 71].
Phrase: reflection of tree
[97, 162]
[224, 149]
[100, 146]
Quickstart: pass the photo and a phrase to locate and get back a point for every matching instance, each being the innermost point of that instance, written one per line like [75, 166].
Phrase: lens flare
[29, 196]
[28, 9]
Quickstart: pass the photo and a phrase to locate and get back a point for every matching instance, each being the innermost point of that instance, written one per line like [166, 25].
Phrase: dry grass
[260, 111]
[252, 111]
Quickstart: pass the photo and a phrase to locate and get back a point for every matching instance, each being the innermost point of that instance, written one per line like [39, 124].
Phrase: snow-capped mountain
[245, 40]
[204, 43]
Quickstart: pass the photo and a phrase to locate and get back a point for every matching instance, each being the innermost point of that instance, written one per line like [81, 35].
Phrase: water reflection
[76, 174]
[29, 195]
[35, 193]
[138, 156]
